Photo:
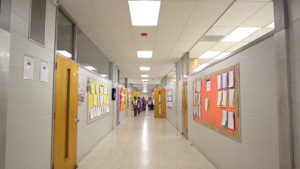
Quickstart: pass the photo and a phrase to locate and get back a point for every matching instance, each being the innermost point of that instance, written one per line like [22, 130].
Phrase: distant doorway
[184, 110]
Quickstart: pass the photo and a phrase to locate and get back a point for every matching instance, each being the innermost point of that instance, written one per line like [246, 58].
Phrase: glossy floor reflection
[145, 143]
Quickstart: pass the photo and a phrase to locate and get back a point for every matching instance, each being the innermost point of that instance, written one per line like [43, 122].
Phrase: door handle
[77, 120]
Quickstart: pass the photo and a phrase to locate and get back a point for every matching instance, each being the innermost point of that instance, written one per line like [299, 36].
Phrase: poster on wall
[28, 68]
[98, 100]
[217, 105]
[123, 99]
[170, 98]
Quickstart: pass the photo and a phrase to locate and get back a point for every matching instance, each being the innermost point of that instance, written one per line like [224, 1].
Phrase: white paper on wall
[206, 104]
[231, 97]
[107, 108]
[28, 68]
[44, 72]
[199, 98]
[95, 100]
[92, 88]
[198, 86]
[97, 88]
[224, 118]
[231, 120]
[199, 112]
[208, 85]
[224, 98]
[219, 98]
[219, 82]
[91, 114]
[99, 100]
[231, 79]
[224, 80]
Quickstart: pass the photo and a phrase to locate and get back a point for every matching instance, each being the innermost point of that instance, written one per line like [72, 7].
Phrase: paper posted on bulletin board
[216, 102]
[98, 100]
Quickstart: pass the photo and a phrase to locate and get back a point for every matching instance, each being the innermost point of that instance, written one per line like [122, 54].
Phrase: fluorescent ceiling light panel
[209, 54]
[91, 68]
[144, 68]
[64, 53]
[240, 34]
[144, 75]
[144, 54]
[272, 25]
[145, 80]
[222, 55]
[144, 13]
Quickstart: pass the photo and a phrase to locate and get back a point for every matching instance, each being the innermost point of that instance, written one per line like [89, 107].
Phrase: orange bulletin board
[216, 102]
[123, 99]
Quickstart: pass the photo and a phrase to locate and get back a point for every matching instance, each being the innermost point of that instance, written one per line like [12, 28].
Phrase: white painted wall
[294, 16]
[171, 112]
[29, 116]
[258, 113]
[89, 135]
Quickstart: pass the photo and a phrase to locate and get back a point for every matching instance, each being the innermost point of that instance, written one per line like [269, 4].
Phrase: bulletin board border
[98, 117]
[236, 137]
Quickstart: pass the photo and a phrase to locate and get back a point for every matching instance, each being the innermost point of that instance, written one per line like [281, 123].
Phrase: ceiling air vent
[212, 38]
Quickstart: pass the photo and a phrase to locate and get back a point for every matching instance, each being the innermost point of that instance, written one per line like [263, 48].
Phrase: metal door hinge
[54, 116]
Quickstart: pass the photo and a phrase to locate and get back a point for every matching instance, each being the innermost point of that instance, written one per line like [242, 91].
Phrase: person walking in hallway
[134, 104]
[139, 105]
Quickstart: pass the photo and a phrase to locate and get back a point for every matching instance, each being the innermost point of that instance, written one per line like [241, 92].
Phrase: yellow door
[160, 103]
[184, 110]
[65, 122]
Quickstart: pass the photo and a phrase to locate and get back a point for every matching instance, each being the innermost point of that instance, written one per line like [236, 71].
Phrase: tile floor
[145, 143]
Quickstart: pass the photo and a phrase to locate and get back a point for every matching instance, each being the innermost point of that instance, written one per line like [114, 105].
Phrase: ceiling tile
[168, 34]
[87, 14]
[207, 11]
[239, 12]
[262, 18]
[112, 12]
[175, 13]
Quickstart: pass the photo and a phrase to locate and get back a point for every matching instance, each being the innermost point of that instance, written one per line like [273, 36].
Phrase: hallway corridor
[145, 143]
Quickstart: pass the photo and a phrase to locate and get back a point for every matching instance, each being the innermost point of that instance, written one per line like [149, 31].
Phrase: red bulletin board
[213, 117]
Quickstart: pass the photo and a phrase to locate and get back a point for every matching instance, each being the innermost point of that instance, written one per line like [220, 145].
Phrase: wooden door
[160, 103]
[184, 110]
[65, 122]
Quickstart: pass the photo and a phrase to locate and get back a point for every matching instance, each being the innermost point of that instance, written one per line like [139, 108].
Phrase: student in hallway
[134, 104]
[139, 105]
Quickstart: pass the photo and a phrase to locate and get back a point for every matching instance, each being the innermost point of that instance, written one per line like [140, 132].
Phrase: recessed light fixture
[90, 68]
[144, 13]
[240, 34]
[145, 91]
[272, 25]
[209, 54]
[222, 55]
[144, 75]
[64, 53]
[144, 68]
[144, 54]
[145, 80]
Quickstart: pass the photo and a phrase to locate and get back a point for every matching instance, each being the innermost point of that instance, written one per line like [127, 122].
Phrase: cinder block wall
[294, 16]
[29, 114]
[258, 113]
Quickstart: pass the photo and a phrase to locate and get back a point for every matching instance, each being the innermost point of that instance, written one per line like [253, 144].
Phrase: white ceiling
[181, 24]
